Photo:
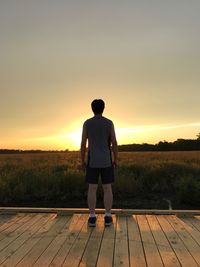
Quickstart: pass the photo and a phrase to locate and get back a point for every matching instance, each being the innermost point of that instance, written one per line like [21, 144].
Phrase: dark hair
[98, 106]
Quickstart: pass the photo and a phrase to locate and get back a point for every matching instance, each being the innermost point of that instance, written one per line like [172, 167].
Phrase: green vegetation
[143, 180]
[178, 145]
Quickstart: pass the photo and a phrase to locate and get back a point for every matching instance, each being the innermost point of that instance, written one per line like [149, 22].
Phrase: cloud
[149, 128]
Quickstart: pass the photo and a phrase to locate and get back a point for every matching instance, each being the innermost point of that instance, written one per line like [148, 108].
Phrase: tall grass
[143, 179]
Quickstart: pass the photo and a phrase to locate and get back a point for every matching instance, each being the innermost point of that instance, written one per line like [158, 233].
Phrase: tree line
[17, 151]
[178, 145]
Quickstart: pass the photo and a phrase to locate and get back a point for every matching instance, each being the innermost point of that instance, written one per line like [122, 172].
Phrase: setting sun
[75, 138]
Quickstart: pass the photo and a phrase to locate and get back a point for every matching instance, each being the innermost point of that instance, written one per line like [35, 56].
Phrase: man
[100, 134]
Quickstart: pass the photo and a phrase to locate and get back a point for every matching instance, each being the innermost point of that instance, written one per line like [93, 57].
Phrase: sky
[141, 57]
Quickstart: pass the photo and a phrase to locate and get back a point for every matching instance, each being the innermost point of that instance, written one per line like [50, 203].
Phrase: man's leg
[108, 198]
[92, 189]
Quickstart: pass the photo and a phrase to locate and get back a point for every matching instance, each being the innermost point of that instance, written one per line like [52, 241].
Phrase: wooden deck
[49, 239]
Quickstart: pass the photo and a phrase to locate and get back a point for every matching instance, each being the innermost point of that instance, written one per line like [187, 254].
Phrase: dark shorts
[106, 174]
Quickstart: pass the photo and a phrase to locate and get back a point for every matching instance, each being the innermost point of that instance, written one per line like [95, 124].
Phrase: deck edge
[69, 211]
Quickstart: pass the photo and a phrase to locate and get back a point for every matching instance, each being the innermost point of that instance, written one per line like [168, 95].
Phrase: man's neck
[98, 115]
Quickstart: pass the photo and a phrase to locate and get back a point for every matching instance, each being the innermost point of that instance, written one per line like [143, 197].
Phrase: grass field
[143, 180]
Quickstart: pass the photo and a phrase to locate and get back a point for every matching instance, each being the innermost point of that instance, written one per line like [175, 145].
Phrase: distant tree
[198, 136]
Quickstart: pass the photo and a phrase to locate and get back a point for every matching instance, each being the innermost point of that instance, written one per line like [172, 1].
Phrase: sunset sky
[141, 57]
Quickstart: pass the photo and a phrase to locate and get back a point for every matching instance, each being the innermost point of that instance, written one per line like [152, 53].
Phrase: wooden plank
[84, 210]
[73, 233]
[15, 230]
[46, 237]
[14, 222]
[167, 254]
[75, 254]
[93, 246]
[196, 222]
[190, 243]
[17, 241]
[151, 251]
[136, 250]
[48, 255]
[106, 252]
[176, 243]
[121, 252]
[28, 244]
[5, 218]
[188, 224]
[60, 211]
[156, 211]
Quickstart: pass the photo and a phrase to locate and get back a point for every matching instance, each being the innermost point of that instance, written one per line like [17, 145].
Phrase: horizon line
[72, 150]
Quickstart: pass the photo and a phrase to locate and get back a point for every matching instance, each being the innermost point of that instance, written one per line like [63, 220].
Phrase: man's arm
[114, 146]
[83, 146]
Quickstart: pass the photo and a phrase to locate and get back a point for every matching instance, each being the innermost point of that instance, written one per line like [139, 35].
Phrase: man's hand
[83, 166]
[115, 164]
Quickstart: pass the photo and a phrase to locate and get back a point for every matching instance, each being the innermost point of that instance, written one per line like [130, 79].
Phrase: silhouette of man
[100, 134]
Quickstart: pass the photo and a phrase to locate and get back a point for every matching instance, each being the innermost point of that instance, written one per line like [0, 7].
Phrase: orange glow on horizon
[70, 138]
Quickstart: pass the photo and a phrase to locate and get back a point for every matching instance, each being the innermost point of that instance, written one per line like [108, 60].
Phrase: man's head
[97, 106]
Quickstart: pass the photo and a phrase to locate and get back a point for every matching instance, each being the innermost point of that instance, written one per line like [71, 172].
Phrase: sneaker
[108, 220]
[92, 221]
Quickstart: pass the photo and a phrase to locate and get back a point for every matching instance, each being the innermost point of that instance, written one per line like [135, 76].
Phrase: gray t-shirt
[98, 130]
